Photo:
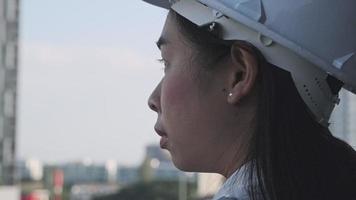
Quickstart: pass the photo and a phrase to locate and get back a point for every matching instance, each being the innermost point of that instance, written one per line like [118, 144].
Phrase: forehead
[171, 34]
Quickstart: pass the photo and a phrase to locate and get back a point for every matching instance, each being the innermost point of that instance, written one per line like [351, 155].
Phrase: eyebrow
[161, 41]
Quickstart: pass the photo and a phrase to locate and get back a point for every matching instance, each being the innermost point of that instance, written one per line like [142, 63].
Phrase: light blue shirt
[236, 186]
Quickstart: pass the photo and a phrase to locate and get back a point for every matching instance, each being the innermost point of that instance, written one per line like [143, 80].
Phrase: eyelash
[161, 60]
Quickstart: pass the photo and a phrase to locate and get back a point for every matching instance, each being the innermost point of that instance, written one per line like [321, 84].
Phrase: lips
[164, 139]
[163, 143]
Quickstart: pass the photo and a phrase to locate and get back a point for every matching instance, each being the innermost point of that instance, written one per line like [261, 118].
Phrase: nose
[154, 99]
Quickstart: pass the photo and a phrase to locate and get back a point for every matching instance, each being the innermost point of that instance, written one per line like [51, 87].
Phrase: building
[29, 170]
[128, 175]
[111, 170]
[90, 191]
[84, 179]
[9, 15]
[342, 122]
[83, 173]
[158, 166]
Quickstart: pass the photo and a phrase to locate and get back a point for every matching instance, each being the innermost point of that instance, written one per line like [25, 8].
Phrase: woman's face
[195, 121]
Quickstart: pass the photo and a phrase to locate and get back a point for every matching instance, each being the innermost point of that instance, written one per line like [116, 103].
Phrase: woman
[223, 108]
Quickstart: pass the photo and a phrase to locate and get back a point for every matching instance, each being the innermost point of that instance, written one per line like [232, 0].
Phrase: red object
[58, 178]
[58, 181]
[59, 197]
[29, 197]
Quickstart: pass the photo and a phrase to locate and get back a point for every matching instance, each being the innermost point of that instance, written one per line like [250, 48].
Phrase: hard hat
[312, 39]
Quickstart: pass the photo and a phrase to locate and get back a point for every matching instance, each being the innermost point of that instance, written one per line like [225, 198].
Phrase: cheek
[187, 117]
[181, 112]
[175, 92]
[179, 100]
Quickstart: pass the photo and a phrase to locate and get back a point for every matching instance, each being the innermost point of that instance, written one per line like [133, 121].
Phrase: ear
[243, 75]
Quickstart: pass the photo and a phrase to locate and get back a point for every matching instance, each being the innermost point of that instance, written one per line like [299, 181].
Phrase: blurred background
[75, 76]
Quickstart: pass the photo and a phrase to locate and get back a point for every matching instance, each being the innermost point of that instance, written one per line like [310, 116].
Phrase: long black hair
[292, 156]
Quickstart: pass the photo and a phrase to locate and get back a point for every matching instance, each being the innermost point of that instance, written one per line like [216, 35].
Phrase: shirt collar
[236, 185]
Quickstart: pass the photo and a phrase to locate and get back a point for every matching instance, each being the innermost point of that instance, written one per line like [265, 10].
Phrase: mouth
[163, 143]
[164, 139]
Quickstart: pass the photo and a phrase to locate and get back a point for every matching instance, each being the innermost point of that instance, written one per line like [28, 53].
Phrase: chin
[185, 165]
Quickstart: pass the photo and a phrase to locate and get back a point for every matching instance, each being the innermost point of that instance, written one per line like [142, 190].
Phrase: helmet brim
[160, 3]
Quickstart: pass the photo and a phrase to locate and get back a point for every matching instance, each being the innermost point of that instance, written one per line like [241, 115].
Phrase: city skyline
[86, 71]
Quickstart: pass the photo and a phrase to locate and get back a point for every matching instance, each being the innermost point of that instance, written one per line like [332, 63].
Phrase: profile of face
[201, 124]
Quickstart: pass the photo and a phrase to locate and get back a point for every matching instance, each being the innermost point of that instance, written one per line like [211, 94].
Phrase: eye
[165, 63]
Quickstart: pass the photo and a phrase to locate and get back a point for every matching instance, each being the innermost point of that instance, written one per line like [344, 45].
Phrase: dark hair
[292, 155]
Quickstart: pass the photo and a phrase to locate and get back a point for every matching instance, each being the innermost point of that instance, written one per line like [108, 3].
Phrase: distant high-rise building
[154, 151]
[111, 168]
[128, 175]
[9, 15]
[343, 119]
[29, 170]
[81, 173]
[157, 165]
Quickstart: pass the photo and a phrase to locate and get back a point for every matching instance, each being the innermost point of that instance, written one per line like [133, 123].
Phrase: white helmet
[312, 39]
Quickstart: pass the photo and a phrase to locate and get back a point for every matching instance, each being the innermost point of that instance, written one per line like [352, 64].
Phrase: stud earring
[230, 94]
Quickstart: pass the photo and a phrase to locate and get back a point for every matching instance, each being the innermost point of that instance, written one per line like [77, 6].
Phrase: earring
[230, 94]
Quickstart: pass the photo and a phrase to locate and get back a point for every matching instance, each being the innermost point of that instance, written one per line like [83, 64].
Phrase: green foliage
[157, 190]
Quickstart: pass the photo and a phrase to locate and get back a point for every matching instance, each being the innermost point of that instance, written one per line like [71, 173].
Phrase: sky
[86, 70]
